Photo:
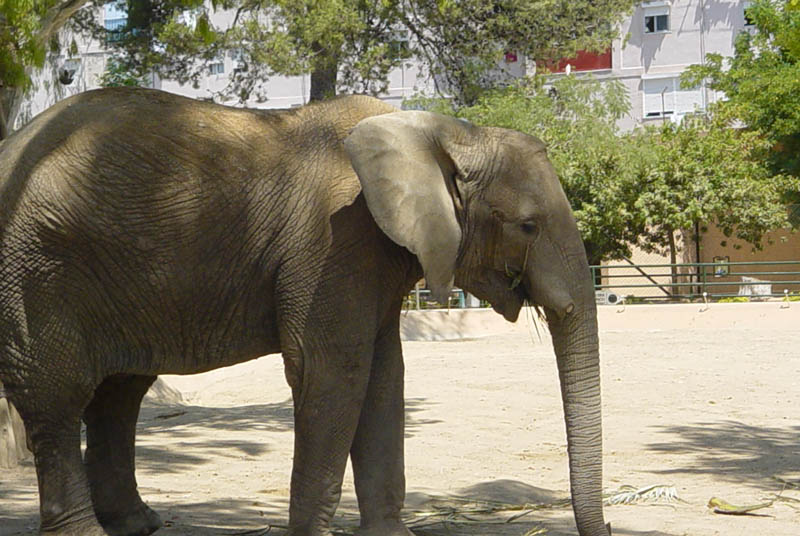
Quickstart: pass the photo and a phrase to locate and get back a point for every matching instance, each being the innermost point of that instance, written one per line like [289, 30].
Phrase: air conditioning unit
[606, 297]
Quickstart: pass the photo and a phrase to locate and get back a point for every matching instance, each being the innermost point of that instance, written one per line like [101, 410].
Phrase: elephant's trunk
[576, 345]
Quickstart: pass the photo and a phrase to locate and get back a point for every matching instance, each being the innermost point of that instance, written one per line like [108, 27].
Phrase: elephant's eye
[528, 227]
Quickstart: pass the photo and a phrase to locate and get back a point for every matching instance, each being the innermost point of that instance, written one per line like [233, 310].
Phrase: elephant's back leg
[52, 412]
[110, 437]
[43, 366]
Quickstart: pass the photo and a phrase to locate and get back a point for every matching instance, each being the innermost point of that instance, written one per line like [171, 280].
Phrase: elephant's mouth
[514, 297]
[498, 289]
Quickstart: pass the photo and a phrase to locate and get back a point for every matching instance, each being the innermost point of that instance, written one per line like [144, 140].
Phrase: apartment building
[659, 41]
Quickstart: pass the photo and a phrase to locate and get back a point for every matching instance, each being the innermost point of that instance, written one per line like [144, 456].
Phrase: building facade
[658, 42]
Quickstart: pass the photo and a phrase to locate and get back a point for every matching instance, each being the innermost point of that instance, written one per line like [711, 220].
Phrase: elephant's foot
[305, 532]
[385, 528]
[141, 521]
[87, 526]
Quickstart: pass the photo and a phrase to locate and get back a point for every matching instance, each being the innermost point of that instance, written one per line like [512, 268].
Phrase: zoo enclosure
[664, 282]
[699, 280]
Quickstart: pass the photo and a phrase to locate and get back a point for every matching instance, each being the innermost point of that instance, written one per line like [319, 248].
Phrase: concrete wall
[471, 323]
[780, 245]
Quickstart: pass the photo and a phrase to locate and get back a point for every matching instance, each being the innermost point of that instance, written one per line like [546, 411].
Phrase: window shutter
[652, 96]
[689, 100]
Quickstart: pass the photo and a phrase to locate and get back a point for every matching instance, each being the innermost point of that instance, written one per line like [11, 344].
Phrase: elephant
[145, 233]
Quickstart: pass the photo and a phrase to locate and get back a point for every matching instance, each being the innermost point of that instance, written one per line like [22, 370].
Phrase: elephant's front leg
[377, 451]
[328, 396]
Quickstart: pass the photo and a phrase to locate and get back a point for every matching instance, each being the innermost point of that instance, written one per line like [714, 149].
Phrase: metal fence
[420, 299]
[664, 282]
[702, 280]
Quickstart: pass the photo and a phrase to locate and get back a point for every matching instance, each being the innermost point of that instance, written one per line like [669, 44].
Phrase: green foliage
[116, 75]
[21, 45]
[705, 171]
[762, 79]
[176, 39]
[463, 42]
[28, 31]
[734, 299]
[643, 187]
[358, 43]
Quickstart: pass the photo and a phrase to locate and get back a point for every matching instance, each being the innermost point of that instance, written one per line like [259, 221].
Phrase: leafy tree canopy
[462, 42]
[117, 75]
[703, 171]
[345, 44]
[353, 45]
[761, 81]
[27, 29]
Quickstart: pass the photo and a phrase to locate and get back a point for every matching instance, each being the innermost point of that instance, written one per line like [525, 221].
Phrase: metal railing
[420, 299]
[689, 281]
[665, 282]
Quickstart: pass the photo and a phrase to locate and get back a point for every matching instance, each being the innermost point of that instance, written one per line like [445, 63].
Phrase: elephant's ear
[404, 161]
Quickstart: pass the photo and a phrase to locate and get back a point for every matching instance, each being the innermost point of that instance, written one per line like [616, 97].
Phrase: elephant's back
[142, 178]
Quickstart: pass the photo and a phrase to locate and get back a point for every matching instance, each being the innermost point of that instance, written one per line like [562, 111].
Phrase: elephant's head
[483, 207]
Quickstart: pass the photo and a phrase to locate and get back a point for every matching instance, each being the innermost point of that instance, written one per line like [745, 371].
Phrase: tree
[342, 44]
[353, 45]
[116, 75]
[598, 167]
[462, 42]
[761, 81]
[27, 31]
[702, 171]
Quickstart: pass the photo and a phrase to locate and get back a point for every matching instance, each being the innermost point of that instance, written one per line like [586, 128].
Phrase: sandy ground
[709, 407]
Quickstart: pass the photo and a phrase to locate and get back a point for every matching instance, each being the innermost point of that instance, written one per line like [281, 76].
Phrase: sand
[707, 402]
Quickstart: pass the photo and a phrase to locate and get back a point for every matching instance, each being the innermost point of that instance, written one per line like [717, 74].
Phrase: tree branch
[56, 17]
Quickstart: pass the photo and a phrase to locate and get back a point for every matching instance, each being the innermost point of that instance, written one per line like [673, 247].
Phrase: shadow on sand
[734, 451]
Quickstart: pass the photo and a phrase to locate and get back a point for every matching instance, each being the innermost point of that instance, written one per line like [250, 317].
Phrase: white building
[659, 41]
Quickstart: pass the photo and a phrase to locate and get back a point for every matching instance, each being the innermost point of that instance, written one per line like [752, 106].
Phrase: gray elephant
[143, 233]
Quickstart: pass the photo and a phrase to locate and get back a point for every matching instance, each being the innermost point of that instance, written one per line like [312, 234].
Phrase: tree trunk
[673, 259]
[323, 77]
[10, 102]
[13, 443]
[323, 85]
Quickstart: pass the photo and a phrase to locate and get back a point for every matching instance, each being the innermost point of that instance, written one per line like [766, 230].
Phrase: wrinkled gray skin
[143, 233]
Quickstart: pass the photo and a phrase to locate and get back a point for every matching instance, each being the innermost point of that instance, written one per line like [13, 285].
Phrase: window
[665, 97]
[216, 68]
[748, 20]
[398, 45]
[656, 19]
[114, 21]
[113, 25]
[239, 60]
